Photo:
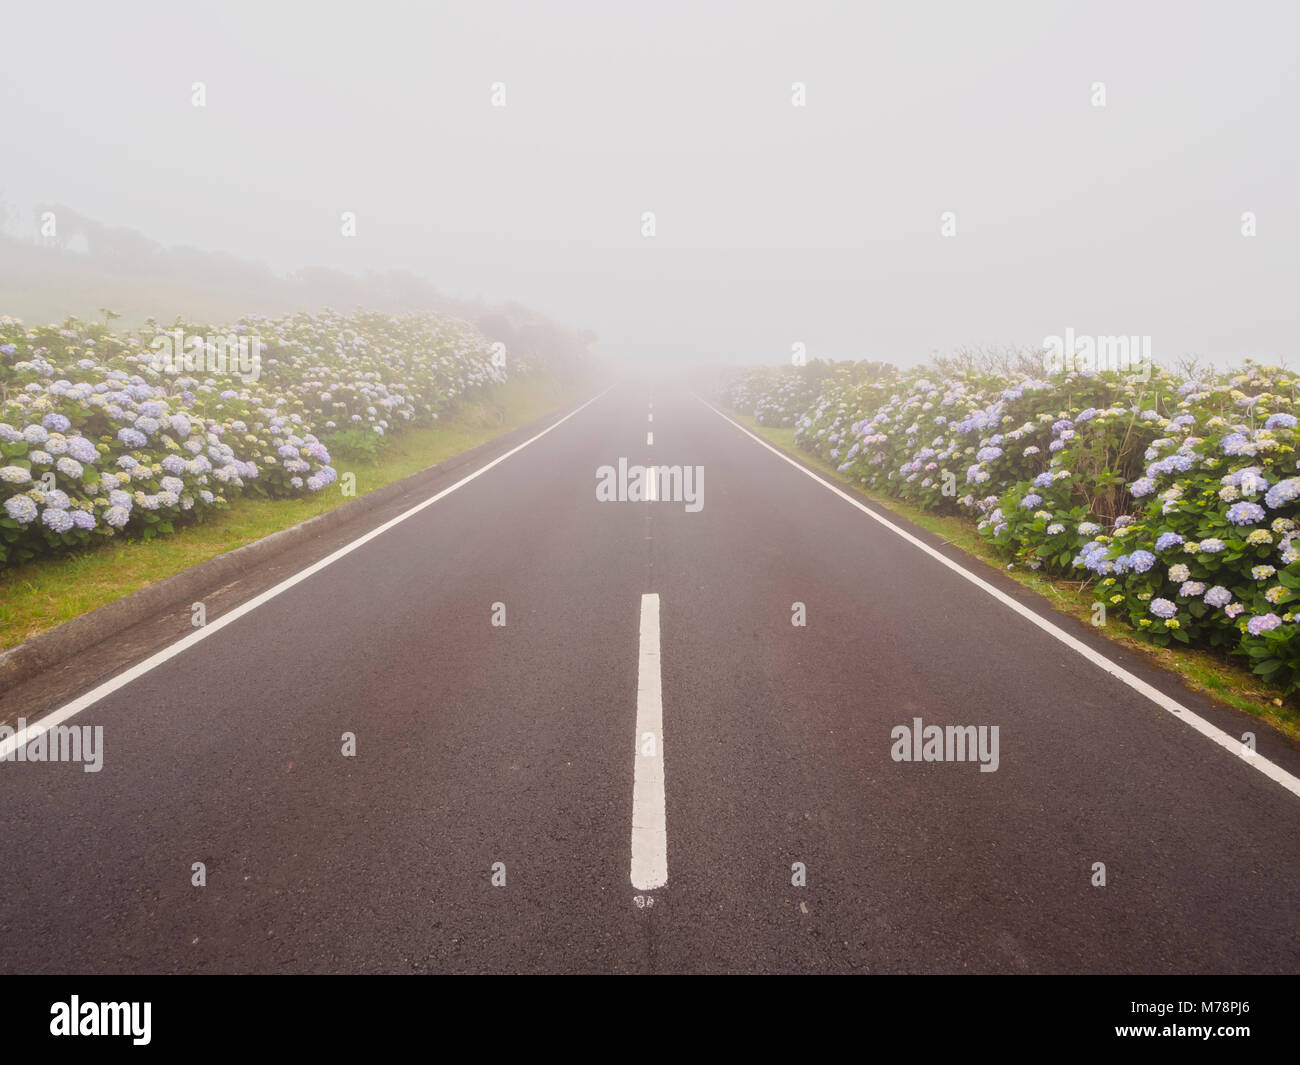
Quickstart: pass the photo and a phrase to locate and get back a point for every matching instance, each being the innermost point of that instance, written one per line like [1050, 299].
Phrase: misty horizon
[775, 224]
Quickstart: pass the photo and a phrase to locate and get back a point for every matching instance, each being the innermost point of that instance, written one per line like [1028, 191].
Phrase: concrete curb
[49, 649]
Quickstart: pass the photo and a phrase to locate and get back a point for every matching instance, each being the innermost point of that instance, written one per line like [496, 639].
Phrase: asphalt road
[518, 744]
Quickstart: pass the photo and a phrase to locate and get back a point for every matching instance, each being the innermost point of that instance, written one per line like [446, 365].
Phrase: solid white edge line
[649, 819]
[140, 669]
[1234, 746]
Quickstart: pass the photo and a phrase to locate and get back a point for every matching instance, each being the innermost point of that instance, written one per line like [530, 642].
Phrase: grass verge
[1200, 670]
[45, 593]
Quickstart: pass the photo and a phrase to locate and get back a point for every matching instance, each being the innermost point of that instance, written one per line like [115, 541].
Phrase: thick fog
[781, 214]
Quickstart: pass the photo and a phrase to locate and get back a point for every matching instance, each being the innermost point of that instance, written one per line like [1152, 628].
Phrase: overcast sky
[774, 223]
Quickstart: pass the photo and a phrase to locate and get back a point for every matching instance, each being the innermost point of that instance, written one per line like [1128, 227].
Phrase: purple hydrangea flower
[1283, 492]
[1234, 444]
[1263, 623]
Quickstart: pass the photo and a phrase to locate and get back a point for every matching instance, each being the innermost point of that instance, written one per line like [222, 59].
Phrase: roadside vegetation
[1165, 502]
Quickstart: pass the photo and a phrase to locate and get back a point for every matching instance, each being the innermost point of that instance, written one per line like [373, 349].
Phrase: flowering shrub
[1175, 499]
[771, 397]
[97, 440]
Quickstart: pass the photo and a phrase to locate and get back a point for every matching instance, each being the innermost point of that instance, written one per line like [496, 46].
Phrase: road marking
[139, 670]
[649, 820]
[652, 487]
[649, 438]
[650, 417]
[1229, 743]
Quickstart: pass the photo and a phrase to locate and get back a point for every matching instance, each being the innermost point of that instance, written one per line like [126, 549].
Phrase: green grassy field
[45, 593]
[1200, 670]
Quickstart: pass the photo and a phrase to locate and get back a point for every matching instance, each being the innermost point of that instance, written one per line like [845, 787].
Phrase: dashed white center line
[649, 821]
[649, 438]
[650, 417]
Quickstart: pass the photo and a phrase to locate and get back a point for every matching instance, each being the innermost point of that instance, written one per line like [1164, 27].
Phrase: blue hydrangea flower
[1245, 514]
[1250, 480]
[1218, 596]
[1167, 540]
[1141, 561]
[82, 449]
[21, 508]
[1163, 608]
[58, 520]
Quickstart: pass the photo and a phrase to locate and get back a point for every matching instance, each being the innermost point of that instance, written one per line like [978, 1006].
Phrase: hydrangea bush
[1175, 500]
[97, 440]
